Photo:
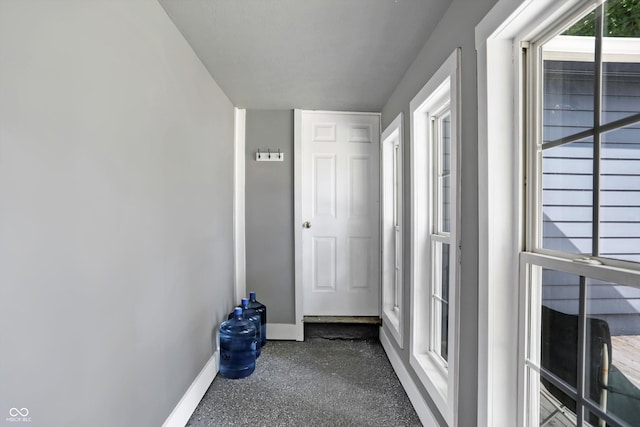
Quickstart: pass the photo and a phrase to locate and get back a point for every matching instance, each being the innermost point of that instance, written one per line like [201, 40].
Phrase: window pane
[569, 80]
[444, 174]
[444, 323]
[620, 194]
[556, 408]
[621, 67]
[585, 26]
[559, 326]
[397, 168]
[613, 350]
[445, 188]
[567, 98]
[592, 419]
[397, 284]
[620, 88]
[567, 197]
[446, 144]
[440, 299]
[621, 19]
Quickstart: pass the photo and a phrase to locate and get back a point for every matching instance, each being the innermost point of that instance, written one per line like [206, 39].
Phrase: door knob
[306, 224]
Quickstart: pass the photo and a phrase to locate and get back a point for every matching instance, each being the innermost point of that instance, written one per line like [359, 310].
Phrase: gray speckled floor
[318, 382]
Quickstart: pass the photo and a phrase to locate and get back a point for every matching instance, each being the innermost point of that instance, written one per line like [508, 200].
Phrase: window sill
[435, 379]
[391, 319]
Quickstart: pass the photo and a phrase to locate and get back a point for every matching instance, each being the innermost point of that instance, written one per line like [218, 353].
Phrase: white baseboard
[189, 402]
[421, 407]
[285, 332]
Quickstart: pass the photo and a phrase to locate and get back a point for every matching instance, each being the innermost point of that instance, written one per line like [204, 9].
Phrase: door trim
[240, 276]
[297, 220]
[297, 209]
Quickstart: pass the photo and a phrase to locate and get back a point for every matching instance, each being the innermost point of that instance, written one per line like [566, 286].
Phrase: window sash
[531, 265]
[439, 303]
[534, 240]
[438, 136]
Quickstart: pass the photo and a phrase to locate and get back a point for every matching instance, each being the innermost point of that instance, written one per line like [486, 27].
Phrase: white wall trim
[419, 404]
[284, 332]
[393, 320]
[189, 402]
[353, 113]
[297, 222]
[240, 284]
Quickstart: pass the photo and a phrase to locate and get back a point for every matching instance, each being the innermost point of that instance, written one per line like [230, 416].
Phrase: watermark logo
[18, 415]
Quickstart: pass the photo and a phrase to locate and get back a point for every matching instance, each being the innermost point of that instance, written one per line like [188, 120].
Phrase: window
[581, 263]
[392, 280]
[434, 117]
[440, 236]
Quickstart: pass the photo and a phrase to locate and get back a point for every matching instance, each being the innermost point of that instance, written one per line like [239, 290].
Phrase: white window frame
[534, 256]
[439, 379]
[502, 304]
[392, 228]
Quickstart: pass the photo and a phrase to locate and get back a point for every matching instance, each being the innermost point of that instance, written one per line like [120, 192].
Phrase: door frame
[297, 210]
[239, 228]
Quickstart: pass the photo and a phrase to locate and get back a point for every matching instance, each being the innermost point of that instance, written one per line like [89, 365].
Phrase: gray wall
[116, 162]
[269, 213]
[456, 29]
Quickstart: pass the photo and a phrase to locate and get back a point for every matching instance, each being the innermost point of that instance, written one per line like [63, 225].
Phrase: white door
[340, 212]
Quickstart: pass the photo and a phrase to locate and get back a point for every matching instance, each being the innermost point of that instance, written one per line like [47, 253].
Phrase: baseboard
[189, 402]
[419, 404]
[285, 332]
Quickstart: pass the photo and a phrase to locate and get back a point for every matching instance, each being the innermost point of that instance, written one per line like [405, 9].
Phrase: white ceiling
[315, 54]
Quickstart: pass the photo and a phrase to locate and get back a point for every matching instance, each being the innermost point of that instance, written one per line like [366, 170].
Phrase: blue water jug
[254, 316]
[262, 310]
[237, 346]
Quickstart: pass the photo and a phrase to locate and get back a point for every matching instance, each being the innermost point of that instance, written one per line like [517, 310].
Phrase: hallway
[318, 382]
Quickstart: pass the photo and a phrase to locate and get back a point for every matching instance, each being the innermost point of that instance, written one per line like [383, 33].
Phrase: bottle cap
[252, 295]
[245, 302]
[237, 311]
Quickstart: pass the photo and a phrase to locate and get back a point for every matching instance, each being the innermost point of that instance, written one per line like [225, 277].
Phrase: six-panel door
[340, 201]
